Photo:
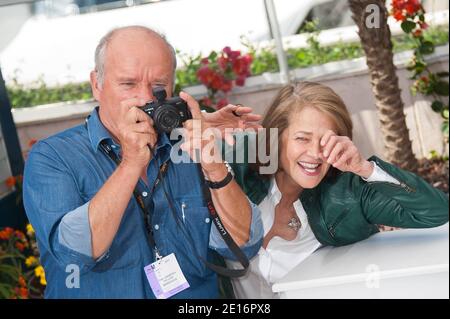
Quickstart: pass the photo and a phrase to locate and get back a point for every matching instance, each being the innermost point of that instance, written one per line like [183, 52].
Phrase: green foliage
[264, 60]
[426, 82]
[187, 75]
[39, 93]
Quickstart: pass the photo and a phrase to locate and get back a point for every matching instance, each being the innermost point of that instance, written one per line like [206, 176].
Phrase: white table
[408, 263]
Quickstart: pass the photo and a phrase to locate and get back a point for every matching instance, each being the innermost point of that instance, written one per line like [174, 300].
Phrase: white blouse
[280, 256]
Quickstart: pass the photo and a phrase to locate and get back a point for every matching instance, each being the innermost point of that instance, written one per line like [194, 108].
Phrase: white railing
[350, 34]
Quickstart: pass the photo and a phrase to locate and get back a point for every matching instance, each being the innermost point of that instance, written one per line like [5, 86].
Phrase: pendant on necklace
[295, 224]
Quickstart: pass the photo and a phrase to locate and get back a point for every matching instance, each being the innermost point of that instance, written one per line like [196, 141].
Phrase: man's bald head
[126, 32]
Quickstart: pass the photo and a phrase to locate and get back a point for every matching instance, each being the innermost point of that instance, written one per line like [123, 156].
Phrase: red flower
[205, 75]
[222, 62]
[217, 82]
[20, 235]
[410, 8]
[241, 67]
[227, 50]
[240, 81]
[6, 233]
[398, 15]
[226, 86]
[401, 9]
[220, 73]
[417, 33]
[248, 59]
[234, 55]
[423, 25]
[21, 292]
[20, 246]
[22, 281]
[10, 182]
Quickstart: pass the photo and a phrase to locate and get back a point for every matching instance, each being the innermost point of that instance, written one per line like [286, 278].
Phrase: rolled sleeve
[379, 175]
[251, 248]
[74, 230]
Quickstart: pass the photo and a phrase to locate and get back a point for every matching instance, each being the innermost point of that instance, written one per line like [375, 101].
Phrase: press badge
[165, 277]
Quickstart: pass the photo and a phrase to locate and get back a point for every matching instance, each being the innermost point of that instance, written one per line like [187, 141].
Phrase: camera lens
[166, 118]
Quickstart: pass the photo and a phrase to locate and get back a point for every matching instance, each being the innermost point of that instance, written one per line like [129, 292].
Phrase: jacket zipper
[403, 185]
[332, 228]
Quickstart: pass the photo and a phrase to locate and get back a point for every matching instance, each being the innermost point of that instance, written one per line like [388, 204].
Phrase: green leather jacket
[345, 209]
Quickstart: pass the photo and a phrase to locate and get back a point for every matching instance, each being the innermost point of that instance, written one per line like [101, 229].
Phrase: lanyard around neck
[235, 249]
[146, 214]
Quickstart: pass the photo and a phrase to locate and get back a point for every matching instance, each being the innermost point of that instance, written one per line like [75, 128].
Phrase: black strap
[235, 249]
[147, 216]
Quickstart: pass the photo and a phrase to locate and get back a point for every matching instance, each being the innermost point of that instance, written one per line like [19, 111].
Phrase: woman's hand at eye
[341, 153]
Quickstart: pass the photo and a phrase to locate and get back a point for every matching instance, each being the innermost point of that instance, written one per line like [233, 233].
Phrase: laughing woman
[324, 191]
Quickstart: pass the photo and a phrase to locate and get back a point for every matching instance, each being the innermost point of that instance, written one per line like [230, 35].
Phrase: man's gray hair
[100, 51]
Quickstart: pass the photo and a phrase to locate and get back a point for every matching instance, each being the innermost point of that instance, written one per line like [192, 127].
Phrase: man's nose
[145, 93]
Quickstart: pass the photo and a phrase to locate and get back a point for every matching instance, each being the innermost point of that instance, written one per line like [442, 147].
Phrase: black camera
[167, 114]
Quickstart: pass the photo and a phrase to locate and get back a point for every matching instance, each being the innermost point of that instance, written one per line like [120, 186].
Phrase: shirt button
[113, 146]
[144, 194]
[156, 226]
[207, 220]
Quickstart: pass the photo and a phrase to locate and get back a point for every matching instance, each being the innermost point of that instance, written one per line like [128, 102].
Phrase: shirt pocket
[196, 224]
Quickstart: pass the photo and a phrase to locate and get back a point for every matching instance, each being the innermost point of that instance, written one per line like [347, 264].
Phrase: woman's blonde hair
[295, 97]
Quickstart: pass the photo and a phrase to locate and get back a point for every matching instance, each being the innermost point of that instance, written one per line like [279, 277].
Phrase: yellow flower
[39, 271]
[43, 281]
[30, 230]
[31, 261]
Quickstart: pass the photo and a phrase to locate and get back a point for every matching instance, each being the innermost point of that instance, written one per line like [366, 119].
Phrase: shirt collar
[97, 133]
[274, 192]
[96, 130]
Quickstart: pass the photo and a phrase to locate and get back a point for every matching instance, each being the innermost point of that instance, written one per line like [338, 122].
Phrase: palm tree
[377, 45]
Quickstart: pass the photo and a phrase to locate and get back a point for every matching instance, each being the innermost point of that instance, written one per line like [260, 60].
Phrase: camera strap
[147, 216]
[235, 249]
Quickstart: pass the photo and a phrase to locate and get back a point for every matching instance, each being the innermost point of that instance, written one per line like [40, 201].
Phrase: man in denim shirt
[90, 231]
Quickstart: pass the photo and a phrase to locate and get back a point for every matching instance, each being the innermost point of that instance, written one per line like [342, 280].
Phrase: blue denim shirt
[65, 171]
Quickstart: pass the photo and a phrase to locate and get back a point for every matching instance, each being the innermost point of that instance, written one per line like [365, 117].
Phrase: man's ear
[95, 85]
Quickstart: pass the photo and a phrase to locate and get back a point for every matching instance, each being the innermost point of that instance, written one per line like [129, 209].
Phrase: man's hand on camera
[135, 134]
